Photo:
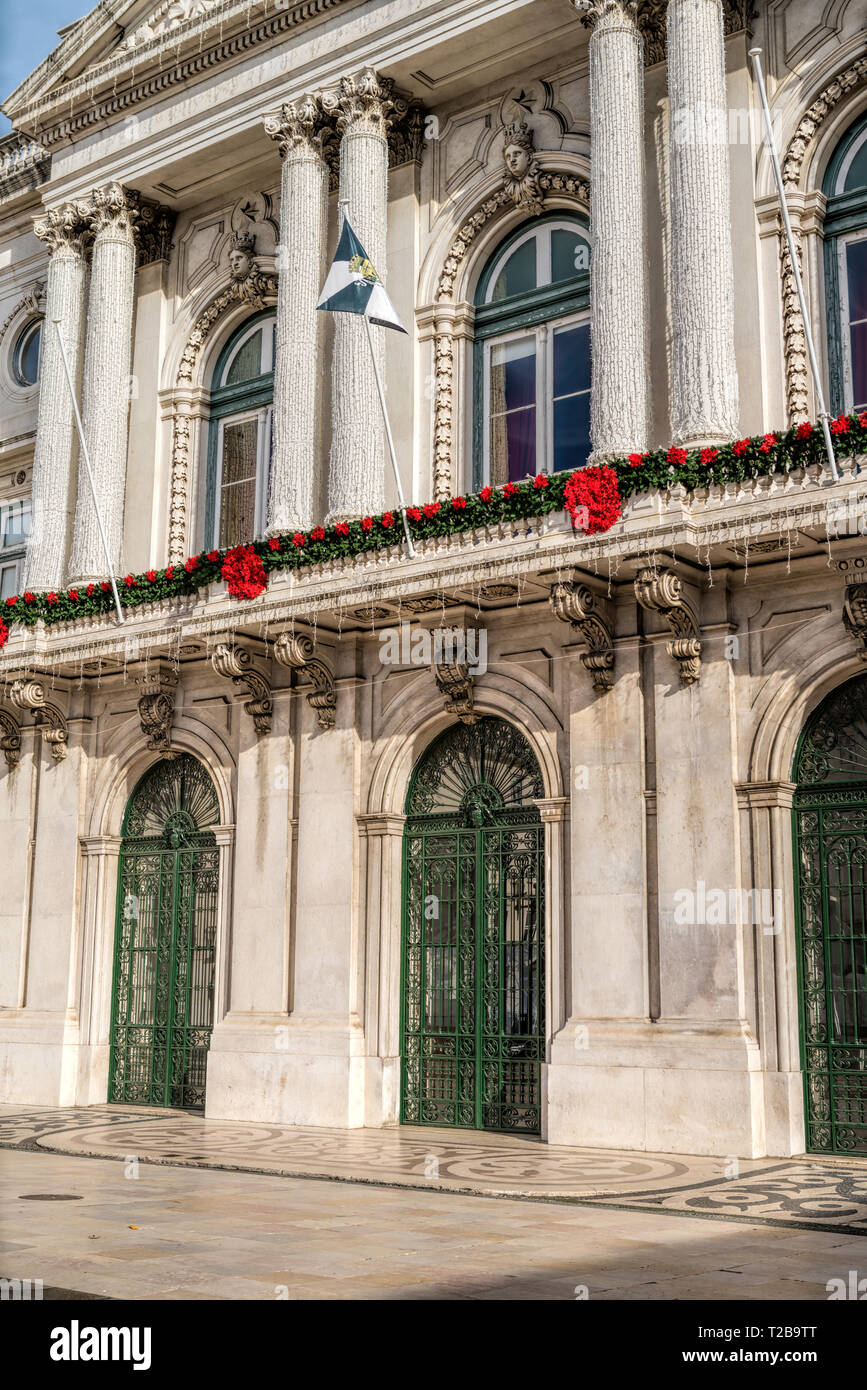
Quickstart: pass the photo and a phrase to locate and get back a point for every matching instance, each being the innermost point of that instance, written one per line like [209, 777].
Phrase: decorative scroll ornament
[855, 615]
[67, 226]
[299, 127]
[235, 664]
[363, 101]
[298, 654]
[10, 739]
[454, 680]
[156, 706]
[576, 604]
[114, 208]
[30, 694]
[660, 591]
[153, 233]
[522, 168]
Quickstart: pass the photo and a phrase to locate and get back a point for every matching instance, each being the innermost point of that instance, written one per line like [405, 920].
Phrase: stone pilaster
[301, 266]
[64, 231]
[106, 382]
[360, 106]
[704, 383]
[618, 301]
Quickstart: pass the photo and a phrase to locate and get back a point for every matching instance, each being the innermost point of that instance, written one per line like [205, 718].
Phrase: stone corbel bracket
[236, 664]
[660, 591]
[10, 739]
[298, 653]
[28, 693]
[156, 706]
[454, 680]
[574, 603]
[855, 615]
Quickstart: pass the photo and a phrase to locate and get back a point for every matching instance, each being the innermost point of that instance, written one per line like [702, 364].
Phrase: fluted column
[106, 381]
[63, 230]
[618, 267]
[301, 266]
[704, 383]
[356, 480]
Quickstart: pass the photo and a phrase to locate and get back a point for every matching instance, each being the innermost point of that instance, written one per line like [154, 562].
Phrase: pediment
[109, 59]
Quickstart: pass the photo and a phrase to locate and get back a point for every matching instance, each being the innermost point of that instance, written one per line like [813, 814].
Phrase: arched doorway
[165, 941]
[831, 847]
[473, 978]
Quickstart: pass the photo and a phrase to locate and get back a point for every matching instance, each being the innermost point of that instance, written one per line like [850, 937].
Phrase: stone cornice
[230, 30]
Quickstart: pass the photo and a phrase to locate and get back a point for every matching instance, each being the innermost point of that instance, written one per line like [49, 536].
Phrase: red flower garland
[4, 633]
[592, 499]
[244, 572]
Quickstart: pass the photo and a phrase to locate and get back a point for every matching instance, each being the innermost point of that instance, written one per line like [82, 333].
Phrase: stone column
[618, 270]
[106, 383]
[63, 230]
[301, 266]
[704, 383]
[356, 480]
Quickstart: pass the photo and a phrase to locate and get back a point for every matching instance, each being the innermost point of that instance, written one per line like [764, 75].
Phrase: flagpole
[409, 546]
[756, 55]
[342, 211]
[86, 458]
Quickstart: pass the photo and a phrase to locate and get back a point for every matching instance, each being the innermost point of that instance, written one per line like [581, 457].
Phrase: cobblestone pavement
[166, 1232]
[830, 1194]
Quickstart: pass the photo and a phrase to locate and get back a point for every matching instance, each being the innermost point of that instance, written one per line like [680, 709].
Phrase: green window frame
[845, 188]
[543, 332]
[241, 410]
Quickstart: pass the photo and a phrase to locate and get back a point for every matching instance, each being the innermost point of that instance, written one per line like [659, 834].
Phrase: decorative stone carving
[846, 82]
[153, 233]
[794, 335]
[855, 615]
[236, 664]
[651, 21]
[10, 739]
[33, 302]
[298, 653]
[164, 18]
[560, 184]
[454, 680]
[576, 604]
[660, 591]
[28, 693]
[522, 168]
[156, 705]
[406, 132]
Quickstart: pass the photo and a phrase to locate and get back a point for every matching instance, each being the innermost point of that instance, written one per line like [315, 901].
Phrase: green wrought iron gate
[830, 812]
[473, 996]
[168, 886]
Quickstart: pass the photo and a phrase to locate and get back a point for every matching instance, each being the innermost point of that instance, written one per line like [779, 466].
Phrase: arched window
[239, 445]
[532, 353]
[845, 188]
[27, 353]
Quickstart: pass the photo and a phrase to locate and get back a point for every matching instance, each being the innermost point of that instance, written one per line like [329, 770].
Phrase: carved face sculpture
[240, 263]
[517, 160]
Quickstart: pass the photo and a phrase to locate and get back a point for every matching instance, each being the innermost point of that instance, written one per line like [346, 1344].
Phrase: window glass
[571, 396]
[8, 581]
[238, 482]
[15, 522]
[518, 274]
[247, 362]
[856, 175]
[513, 409]
[856, 275]
[26, 354]
[570, 255]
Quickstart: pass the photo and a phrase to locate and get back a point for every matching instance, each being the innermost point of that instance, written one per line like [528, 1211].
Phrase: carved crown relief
[165, 17]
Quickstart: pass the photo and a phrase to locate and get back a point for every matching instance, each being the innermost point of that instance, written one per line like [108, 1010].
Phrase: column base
[669, 1087]
[42, 1061]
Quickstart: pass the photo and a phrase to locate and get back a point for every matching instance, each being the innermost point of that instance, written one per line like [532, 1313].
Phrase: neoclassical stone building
[606, 885]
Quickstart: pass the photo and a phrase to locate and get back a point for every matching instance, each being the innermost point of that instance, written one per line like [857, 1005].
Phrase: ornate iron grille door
[831, 847]
[168, 887]
[473, 934]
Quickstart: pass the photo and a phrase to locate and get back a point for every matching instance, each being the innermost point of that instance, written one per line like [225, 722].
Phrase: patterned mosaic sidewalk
[827, 1195]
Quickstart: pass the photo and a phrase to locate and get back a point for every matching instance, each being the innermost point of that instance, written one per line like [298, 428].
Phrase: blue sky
[28, 32]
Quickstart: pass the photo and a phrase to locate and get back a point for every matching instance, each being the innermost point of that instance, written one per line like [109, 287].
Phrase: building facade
[553, 827]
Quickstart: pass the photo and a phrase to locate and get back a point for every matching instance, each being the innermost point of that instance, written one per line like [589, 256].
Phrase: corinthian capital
[615, 12]
[114, 208]
[298, 127]
[362, 102]
[65, 226]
